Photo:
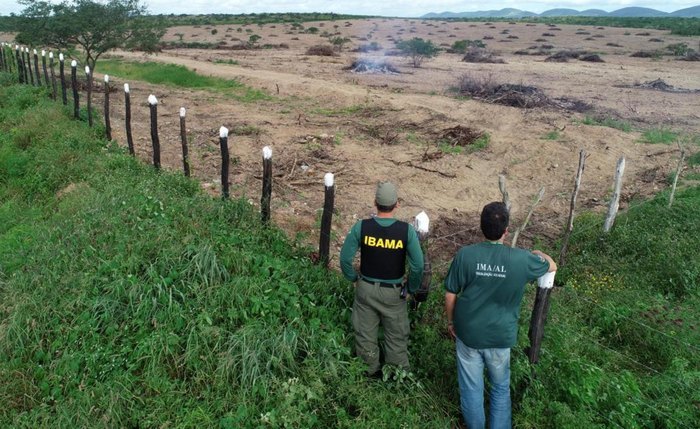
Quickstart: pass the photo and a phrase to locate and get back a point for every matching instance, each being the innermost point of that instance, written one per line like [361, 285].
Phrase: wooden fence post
[127, 119]
[62, 74]
[615, 201]
[88, 76]
[2, 57]
[527, 218]
[74, 84]
[108, 123]
[153, 104]
[326, 218]
[266, 185]
[29, 75]
[53, 77]
[678, 173]
[20, 64]
[223, 144]
[570, 221]
[504, 191]
[537, 321]
[43, 66]
[36, 68]
[422, 224]
[183, 140]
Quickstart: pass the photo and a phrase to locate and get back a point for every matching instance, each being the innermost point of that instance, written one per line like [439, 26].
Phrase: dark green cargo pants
[374, 305]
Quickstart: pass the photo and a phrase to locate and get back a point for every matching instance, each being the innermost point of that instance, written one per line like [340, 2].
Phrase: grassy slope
[134, 299]
[130, 298]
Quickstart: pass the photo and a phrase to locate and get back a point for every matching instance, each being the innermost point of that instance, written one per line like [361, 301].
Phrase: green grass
[694, 159]
[659, 136]
[129, 298]
[477, 145]
[608, 122]
[179, 76]
[229, 62]
[552, 135]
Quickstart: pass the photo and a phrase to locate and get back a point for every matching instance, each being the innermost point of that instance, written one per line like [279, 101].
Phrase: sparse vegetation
[659, 136]
[321, 50]
[618, 124]
[418, 50]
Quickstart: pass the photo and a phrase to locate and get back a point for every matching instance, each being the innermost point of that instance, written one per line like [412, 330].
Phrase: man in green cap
[385, 244]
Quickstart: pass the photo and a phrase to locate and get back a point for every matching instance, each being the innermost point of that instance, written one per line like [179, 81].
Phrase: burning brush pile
[365, 65]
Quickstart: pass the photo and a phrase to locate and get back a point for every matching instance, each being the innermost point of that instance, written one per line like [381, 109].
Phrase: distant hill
[627, 12]
[688, 12]
[644, 12]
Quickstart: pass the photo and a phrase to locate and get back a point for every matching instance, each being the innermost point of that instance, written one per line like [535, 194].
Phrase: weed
[608, 122]
[552, 135]
[659, 136]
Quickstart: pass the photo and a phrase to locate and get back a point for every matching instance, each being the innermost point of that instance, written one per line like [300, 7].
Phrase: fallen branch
[411, 164]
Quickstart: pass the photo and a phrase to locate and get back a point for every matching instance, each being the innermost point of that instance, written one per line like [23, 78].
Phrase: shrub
[418, 50]
[321, 50]
[480, 55]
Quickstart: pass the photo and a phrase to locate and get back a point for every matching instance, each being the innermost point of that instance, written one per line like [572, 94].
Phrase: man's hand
[546, 257]
[451, 330]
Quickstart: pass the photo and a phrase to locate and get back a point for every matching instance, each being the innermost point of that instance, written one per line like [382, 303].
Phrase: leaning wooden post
[615, 201]
[504, 191]
[678, 173]
[53, 77]
[326, 218]
[62, 74]
[46, 72]
[74, 84]
[422, 225]
[153, 104]
[127, 119]
[88, 76]
[183, 141]
[223, 144]
[2, 57]
[108, 123]
[514, 242]
[36, 68]
[574, 195]
[539, 315]
[28, 74]
[266, 185]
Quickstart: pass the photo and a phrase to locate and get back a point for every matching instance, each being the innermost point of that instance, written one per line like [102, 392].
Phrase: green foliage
[312, 30]
[339, 41]
[418, 50]
[461, 46]
[477, 145]
[253, 39]
[180, 76]
[93, 26]
[552, 135]
[618, 124]
[679, 26]
[678, 49]
[694, 159]
[659, 136]
[214, 31]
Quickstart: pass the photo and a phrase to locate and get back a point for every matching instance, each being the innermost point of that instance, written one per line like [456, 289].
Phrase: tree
[92, 26]
[417, 49]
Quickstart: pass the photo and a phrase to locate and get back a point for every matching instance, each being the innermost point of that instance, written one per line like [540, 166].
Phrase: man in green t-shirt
[484, 289]
[385, 244]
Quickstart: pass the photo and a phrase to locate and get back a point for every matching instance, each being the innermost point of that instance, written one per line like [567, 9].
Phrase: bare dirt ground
[370, 127]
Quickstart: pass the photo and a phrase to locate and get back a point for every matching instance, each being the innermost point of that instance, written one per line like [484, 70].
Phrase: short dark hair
[494, 220]
[385, 209]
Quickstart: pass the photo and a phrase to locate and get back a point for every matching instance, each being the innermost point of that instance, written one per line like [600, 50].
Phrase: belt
[380, 284]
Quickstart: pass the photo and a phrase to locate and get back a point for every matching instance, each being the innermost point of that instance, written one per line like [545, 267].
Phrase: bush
[418, 50]
[480, 55]
[321, 50]
[461, 46]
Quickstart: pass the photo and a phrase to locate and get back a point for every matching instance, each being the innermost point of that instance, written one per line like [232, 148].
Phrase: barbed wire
[623, 355]
[590, 301]
[637, 400]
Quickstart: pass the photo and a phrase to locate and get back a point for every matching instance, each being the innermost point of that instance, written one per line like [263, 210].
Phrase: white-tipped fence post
[127, 119]
[108, 123]
[28, 76]
[539, 315]
[183, 140]
[223, 143]
[266, 185]
[20, 65]
[422, 225]
[36, 68]
[62, 74]
[153, 104]
[53, 77]
[88, 77]
[74, 84]
[43, 66]
[574, 195]
[324, 243]
[615, 201]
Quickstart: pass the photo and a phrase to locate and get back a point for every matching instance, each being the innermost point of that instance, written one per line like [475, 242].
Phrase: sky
[403, 8]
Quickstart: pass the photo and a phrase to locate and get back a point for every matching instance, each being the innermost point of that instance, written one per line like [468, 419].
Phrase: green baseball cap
[386, 194]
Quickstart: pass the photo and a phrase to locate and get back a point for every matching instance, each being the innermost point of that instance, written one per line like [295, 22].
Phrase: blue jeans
[470, 372]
